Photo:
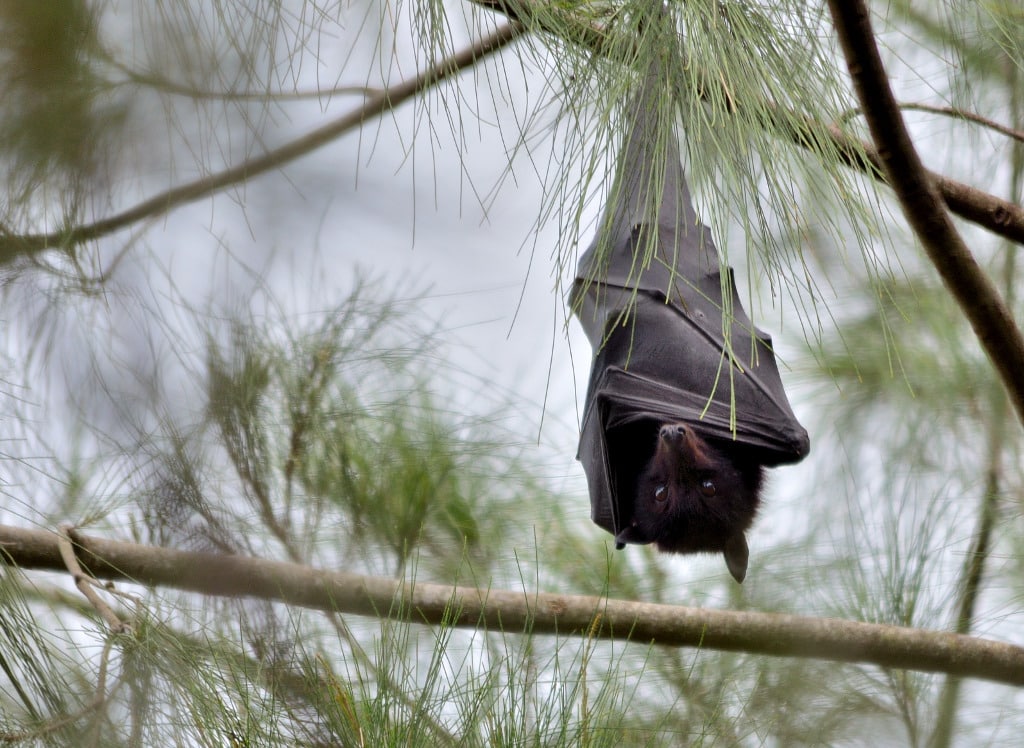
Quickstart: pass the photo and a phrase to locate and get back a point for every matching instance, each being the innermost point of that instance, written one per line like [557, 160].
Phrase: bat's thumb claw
[631, 534]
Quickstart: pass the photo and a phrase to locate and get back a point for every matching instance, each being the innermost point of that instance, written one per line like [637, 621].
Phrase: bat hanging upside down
[685, 405]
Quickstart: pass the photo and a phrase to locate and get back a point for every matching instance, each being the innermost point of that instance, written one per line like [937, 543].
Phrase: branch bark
[524, 612]
[923, 205]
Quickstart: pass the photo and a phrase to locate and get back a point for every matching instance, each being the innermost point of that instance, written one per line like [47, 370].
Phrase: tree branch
[1001, 217]
[922, 204]
[522, 612]
[13, 245]
[955, 113]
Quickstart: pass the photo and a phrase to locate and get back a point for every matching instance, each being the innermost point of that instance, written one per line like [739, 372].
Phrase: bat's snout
[687, 448]
[673, 432]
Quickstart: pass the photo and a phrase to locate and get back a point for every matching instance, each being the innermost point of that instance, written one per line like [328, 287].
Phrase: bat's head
[694, 496]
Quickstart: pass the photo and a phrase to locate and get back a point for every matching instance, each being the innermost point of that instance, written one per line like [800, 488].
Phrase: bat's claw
[631, 534]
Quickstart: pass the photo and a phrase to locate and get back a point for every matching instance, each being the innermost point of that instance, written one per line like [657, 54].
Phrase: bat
[685, 406]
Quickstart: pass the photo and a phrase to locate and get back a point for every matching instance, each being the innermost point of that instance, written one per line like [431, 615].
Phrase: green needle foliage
[336, 430]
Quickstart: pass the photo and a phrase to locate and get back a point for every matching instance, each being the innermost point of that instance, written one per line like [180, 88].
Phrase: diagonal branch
[923, 205]
[13, 245]
[523, 612]
[999, 216]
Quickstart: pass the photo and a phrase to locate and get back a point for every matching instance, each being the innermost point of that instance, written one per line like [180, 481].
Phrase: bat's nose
[672, 432]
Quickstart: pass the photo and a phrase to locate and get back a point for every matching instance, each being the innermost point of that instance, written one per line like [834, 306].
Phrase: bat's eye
[660, 493]
[707, 487]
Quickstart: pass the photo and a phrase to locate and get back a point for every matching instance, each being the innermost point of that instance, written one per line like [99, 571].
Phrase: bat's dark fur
[693, 497]
[685, 404]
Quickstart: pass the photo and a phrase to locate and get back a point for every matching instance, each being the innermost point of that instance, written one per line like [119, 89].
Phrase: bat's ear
[736, 555]
[631, 534]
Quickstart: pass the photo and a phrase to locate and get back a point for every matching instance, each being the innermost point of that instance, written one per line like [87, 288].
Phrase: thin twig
[13, 245]
[948, 111]
[529, 612]
[970, 588]
[923, 205]
[86, 584]
[166, 85]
